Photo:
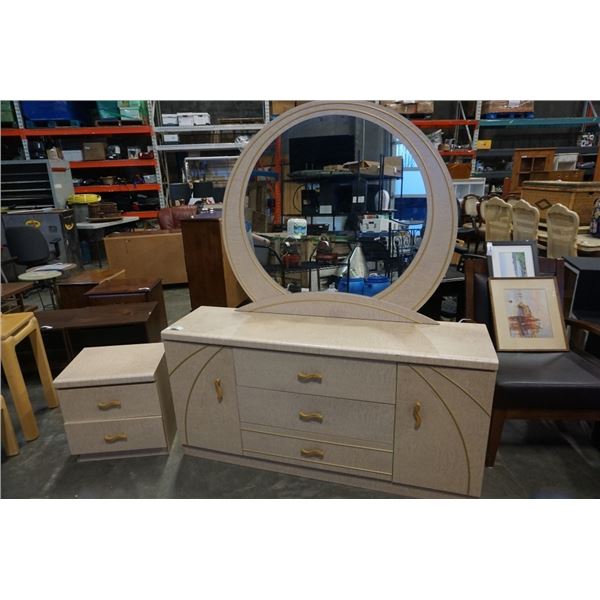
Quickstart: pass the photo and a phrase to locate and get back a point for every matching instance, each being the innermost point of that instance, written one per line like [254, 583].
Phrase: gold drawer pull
[110, 404]
[417, 415]
[311, 416]
[219, 390]
[305, 377]
[117, 437]
[312, 453]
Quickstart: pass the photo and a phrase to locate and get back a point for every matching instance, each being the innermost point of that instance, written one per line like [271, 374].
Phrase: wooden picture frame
[513, 259]
[527, 314]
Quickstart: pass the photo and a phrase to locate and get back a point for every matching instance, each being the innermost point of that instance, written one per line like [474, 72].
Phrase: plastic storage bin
[355, 285]
[376, 283]
[48, 111]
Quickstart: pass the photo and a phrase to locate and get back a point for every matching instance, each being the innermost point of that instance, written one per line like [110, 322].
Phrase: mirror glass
[336, 204]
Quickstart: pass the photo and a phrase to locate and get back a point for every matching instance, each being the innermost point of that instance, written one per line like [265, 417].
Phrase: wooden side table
[72, 290]
[66, 332]
[129, 290]
[16, 291]
[15, 328]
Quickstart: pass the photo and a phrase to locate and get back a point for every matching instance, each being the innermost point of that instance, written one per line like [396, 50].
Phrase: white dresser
[397, 407]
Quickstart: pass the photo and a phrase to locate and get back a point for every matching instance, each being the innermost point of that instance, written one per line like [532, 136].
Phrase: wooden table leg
[18, 390]
[9, 439]
[41, 360]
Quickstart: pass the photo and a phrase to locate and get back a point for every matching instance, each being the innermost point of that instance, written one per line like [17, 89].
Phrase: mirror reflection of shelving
[345, 178]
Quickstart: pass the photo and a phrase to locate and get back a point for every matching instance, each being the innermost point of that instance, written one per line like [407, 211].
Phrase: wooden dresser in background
[210, 278]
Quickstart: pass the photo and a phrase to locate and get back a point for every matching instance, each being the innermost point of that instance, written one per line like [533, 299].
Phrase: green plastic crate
[133, 109]
[108, 109]
[7, 111]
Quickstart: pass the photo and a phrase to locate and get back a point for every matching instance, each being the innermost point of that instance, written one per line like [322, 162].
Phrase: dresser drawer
[317, 414]
[358, 460]
[119, 435]
[109, 402]
[316, 375]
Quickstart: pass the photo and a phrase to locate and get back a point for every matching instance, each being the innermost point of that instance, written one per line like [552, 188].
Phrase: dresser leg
[496, 426]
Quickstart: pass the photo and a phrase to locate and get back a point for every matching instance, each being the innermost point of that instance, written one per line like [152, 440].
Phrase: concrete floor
[535, 460]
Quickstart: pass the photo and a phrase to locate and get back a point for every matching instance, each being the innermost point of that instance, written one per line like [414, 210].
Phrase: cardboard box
[367, 167]
[459, 170]
[169, 119]
[94, 151]
[185, 119]
[425, 107]
[484, 144]
[506, 106]
[201, 118]
[73, 155]
[392, 166]
[407, 108]
[280, 106]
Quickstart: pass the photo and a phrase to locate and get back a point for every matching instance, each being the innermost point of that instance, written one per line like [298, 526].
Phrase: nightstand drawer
[317, 375]
[119, 435]
[109, 402]
[317, 414]
[356, 459]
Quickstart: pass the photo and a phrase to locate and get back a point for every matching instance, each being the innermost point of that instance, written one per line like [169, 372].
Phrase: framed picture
[527, 314]
[512, 259]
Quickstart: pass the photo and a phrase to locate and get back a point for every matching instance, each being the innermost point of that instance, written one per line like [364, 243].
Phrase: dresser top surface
[447, 344]
[112, 365]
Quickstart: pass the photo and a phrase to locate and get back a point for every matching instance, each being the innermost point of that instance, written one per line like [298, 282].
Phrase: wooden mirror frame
[421, 278]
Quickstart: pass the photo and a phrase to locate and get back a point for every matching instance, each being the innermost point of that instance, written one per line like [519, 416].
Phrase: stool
[15, 328]
[9, 439]
[43, 276]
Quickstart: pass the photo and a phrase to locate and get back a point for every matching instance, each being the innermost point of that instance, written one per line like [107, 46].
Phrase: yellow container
[484, 144]
[83, 199]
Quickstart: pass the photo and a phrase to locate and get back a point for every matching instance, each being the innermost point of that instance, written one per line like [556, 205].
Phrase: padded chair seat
[547, 380]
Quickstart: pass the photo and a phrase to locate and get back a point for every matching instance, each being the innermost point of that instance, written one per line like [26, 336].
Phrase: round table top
[39, 275]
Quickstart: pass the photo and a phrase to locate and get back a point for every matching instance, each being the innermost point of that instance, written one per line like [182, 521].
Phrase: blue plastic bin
[357, 285]
[42, 110]
[376, 283]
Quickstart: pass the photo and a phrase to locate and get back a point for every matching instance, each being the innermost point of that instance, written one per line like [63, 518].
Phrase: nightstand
[116, 402]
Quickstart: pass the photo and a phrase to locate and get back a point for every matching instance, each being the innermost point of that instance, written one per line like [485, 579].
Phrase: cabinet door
[204, 394]
[442, 423]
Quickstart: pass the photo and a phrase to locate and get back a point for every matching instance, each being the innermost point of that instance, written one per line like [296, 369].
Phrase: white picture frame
[512, 259]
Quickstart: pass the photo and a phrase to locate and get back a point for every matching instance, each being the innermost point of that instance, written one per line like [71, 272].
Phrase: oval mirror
[345, 198]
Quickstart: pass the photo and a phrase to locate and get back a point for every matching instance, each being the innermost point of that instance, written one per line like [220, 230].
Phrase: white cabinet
[408, 415]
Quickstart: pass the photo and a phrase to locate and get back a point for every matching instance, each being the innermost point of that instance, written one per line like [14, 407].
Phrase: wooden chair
[498, 220]
[15, 328]
[562, 224]
[525, 221]
[533, 385]
[469, 209]
[469, 221]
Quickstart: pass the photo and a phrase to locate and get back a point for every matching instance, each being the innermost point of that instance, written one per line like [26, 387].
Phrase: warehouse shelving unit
[471, 127]
[94, 132]
[229, 151]
[531, 123]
